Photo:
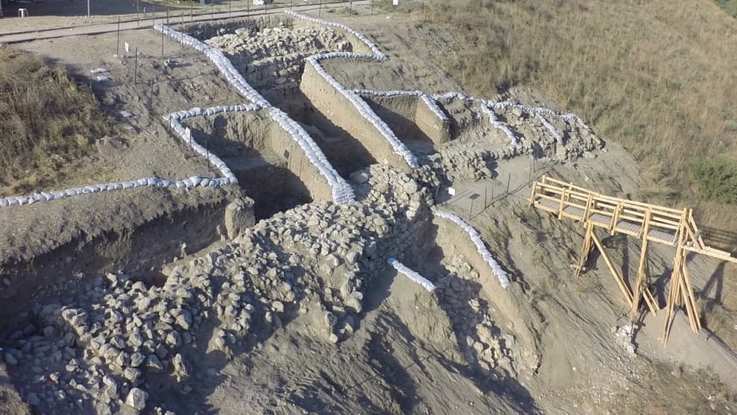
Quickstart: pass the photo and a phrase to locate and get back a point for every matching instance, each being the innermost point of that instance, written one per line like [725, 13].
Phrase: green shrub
[716, 179]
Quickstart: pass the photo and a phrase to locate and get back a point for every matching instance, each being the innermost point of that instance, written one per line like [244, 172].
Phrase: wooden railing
[645, 221]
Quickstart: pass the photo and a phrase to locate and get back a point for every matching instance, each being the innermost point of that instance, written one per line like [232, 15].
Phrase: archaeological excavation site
[299, 213]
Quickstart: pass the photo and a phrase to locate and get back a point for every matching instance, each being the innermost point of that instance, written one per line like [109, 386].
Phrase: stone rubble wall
[412, 275]
[313, 89]
[483, 252]
[494, 120]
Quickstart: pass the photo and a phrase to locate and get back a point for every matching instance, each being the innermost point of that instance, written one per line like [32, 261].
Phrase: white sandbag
[496, 269]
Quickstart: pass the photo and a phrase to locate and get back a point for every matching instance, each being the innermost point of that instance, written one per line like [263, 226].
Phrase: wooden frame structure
[647, 222]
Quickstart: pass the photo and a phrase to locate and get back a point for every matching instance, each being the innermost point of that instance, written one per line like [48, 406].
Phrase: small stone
[137, 359]
[131, 374]
[277, 306]
[154, 363]
[136, 399]
[181, 369]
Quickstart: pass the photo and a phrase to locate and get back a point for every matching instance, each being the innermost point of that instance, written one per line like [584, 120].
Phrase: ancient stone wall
[343, 114]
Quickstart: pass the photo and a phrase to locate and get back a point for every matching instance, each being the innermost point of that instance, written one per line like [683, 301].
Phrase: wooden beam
[618, 278]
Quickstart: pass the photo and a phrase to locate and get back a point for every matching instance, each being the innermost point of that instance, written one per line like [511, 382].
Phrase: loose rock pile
[275, 56]
[483, 344]
[98, 345]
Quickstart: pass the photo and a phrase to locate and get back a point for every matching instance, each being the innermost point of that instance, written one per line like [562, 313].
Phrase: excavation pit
[271, 168]
[412, 121]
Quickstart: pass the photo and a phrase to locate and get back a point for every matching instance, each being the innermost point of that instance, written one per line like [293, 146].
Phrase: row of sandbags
[539, 113]
[494, 120]
[496, 269]
[194, 181]
[342, 191]
[185, 134]
[434, 107]
[426, 99]
[223, 64]
[375, 52]
[412, 275]
[363, 108]
[158, 182]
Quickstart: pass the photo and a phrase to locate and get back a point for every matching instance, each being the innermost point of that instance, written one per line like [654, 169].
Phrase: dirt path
[136, 24]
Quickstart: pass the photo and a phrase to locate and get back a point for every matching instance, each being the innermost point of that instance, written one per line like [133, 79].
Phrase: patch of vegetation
[729, 6]
[654, 76]
[46, 120]
[716, 178]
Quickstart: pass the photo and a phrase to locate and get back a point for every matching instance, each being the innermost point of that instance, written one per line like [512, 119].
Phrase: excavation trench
[270, 54]
[411, 121]
[138, 250]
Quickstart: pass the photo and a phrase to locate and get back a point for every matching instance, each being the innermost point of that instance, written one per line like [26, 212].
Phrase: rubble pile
[274, 56]
[98, 346]
[484, 345]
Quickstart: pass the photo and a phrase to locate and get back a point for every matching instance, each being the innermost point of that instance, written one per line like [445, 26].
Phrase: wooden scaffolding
[647, 222]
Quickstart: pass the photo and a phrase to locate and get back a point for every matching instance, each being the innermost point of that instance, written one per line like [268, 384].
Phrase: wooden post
[640, 288]
[585, 248]
[618, 278]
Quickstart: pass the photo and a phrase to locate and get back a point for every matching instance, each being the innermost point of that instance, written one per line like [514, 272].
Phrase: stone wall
[344, 114]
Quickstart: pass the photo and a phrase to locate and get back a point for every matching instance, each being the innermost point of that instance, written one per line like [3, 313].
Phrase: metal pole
[167, 14]
[117, 51]
[162, 44]
[509, 179]
[135, 69]
[486, 191]
[230, 8]
[88, 8]
[138, 11]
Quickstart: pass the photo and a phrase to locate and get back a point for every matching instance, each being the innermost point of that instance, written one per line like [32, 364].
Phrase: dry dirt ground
[300, 313]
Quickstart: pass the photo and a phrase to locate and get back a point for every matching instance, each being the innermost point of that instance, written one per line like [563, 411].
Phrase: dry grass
[656, 76]
[46, 121]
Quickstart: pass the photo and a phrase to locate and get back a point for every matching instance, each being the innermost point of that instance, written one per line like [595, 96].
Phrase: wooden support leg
[673, 295]
[618, 278]
[681, 293]
[585, 248]
[640, 288]
[690, 299]
[652, 303]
